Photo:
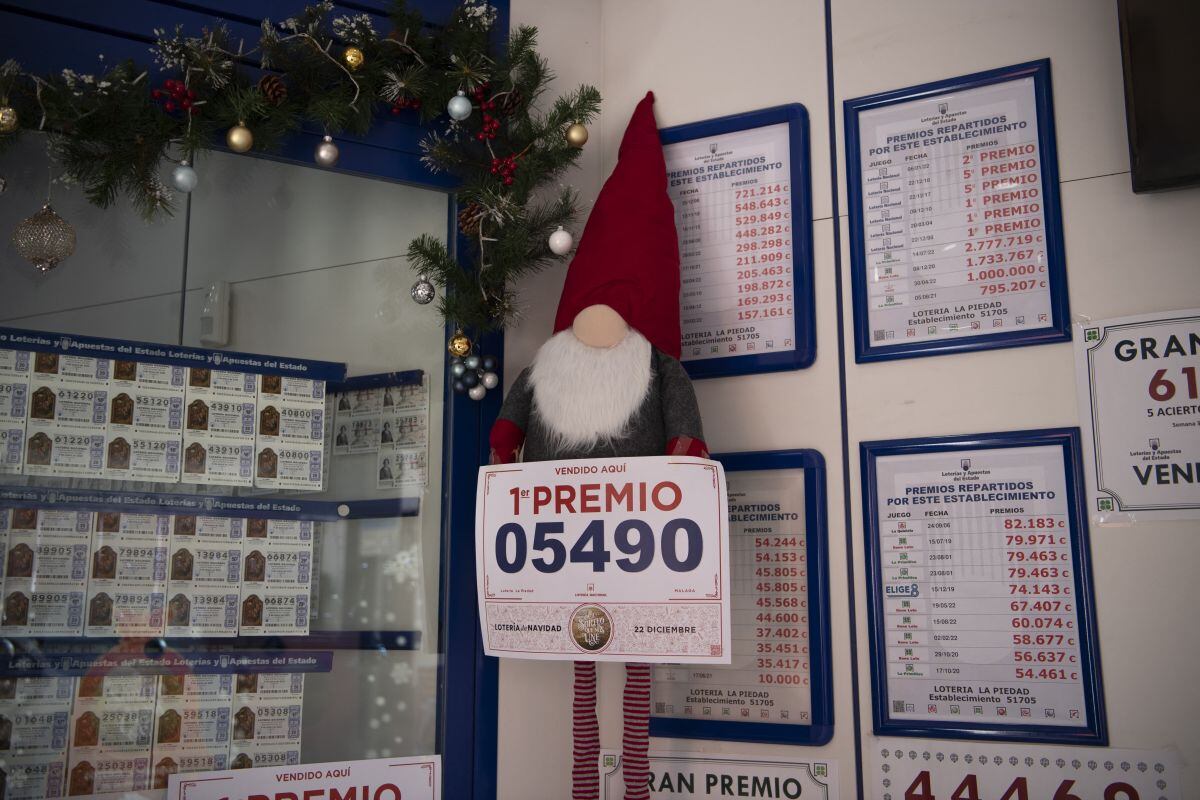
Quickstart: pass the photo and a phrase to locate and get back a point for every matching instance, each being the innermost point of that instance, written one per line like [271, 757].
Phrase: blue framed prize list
[956, 239]
[980, 597]
[741, 187]
[779, 687]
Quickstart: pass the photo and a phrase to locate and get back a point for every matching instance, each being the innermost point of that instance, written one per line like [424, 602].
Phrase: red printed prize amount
[922, 789]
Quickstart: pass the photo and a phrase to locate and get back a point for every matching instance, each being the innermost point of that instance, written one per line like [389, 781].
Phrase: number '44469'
[921, 789]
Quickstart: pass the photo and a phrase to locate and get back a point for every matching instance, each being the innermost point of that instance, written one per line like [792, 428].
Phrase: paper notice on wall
[1138, 392]
[696, 775]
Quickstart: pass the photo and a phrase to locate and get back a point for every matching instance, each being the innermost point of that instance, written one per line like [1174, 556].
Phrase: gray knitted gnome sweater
[668, 415]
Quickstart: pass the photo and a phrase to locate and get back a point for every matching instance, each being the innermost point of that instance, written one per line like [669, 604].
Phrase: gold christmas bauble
[239, 138]
[459, 345]
[353, 57]
[8, 119]
[577, 135]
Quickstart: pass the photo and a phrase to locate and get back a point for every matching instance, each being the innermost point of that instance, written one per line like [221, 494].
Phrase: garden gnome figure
[609, 384]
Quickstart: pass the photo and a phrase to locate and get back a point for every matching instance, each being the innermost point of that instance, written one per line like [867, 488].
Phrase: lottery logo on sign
[591, 628]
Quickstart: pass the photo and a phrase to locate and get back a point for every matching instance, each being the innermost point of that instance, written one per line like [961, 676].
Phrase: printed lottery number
[632, 537]
[1163, 389]
[968, 789]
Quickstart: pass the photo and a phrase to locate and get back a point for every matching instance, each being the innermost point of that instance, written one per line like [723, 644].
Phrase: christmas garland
[113, 133]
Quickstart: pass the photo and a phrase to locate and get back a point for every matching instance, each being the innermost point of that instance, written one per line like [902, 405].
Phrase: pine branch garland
[113, 134]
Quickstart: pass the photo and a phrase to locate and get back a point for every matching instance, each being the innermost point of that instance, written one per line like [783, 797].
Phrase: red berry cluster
[491, 125]
[174, 95]
[401, 103]
[505, 167]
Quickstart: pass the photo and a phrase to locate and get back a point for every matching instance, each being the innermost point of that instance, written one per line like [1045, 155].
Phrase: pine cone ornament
[273, 89]
[511, 102]
[469, 218]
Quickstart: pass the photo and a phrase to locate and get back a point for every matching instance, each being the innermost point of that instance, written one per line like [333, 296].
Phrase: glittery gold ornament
[353, 57]
[577, 135]
[44, 239]
[239, 138]
[8, 119]
[459, 345]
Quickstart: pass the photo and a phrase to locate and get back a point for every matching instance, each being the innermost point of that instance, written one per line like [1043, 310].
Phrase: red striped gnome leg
[636, 742]
[585, 774]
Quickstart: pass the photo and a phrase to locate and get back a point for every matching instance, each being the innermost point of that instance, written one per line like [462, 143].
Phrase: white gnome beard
[585, 395]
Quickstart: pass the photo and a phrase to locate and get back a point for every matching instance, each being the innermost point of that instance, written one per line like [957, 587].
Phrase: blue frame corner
[820, 657]
[795, 115]
[1094, 731]
[1060, 327]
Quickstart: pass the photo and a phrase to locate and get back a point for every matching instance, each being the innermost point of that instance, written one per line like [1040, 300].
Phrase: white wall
[1125, 254]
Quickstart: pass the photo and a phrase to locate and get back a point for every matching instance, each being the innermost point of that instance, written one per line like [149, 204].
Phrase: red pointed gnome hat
[628, 256]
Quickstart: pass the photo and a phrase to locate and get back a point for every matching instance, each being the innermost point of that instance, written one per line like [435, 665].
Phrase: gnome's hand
[505, 440]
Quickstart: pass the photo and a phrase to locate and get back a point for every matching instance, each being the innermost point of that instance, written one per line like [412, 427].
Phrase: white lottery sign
[618, 559]
[733, 211]
[980, 613]
[954, 215]
[927, 769]
[1139, 403]
[412, 778]
[770, 677]
[697, 775]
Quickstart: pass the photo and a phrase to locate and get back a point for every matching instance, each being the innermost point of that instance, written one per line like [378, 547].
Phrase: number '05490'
[680, 544]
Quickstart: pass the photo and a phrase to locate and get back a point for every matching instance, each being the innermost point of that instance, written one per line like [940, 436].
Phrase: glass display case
[245, 559]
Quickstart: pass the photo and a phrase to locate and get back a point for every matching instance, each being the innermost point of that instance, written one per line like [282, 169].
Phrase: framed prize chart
[956, 237]
[779, 687]
[982, 620]
[743, 209]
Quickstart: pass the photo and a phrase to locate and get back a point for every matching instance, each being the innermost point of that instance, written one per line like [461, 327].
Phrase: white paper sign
[413, 778]
[954, 215]
[618, 559]
[1139, 404]
[692, 775]
[732, 195]
[978, 586]
[769, 679]
[912, 769]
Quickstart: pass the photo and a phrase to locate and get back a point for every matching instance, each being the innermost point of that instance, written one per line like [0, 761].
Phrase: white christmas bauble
[477, 392]
[561, 242]
[491, 380]
[459, 107]
[184, 178]
[326, 154]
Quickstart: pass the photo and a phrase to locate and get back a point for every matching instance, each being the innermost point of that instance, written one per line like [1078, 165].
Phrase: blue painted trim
[377, 380]
[820, 656]
[467, 679]
[1094, 731]
[208, 505]
[803, 302]
[170, 354]
[844, 438]
[1060, 328]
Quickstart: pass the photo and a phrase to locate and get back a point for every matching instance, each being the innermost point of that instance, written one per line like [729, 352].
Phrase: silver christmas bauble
[477, 392]
[326, 154]
[561, 242]
[472, 362]
[459, 107]
[184, 178]
[491, 380]
[44, 239]
[423, 291]
[458, 369]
